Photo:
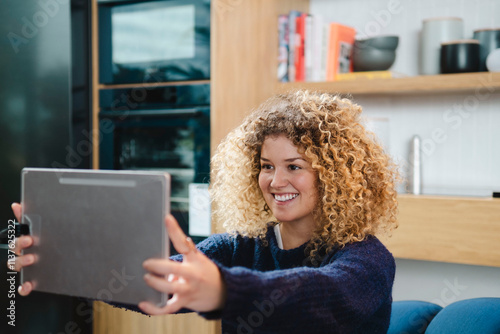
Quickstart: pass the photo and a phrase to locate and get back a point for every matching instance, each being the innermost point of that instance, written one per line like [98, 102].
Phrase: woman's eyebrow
[293, 159]
[287, 160]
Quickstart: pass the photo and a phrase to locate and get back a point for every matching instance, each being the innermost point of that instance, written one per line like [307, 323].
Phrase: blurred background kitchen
[47, 114]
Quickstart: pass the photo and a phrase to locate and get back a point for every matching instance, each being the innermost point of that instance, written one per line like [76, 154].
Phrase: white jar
[434, 32]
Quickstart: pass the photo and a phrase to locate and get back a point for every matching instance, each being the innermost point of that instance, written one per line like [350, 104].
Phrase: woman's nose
[280, 179]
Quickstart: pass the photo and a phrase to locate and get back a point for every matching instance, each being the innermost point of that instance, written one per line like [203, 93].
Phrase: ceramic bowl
[372, 59]
[374, 54]
[380, 42]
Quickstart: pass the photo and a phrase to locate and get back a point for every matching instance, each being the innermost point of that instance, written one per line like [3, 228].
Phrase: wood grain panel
[244, 44]
[111, 320]
[448, 229]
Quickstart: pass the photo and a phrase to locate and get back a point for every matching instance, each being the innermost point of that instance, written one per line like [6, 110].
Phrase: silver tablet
[93, 229]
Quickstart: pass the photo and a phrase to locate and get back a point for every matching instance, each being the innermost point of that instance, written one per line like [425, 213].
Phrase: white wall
[444, 283]
[460, 137]
[460, 132]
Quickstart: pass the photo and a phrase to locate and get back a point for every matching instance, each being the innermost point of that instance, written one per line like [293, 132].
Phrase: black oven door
[173, 140]
[153, 41]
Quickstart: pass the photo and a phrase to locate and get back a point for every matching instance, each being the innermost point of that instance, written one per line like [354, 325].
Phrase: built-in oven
[162, 128]
[153, 40]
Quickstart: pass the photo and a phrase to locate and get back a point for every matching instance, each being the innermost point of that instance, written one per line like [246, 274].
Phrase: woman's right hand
[22, 261]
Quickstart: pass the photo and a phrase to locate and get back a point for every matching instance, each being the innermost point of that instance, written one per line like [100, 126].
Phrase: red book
[300, 34]
[339, 58]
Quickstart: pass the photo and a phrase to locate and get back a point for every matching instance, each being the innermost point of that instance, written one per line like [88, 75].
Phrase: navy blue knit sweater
[270, 290]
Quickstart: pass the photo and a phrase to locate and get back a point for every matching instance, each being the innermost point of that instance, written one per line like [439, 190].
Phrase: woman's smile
[285, 197]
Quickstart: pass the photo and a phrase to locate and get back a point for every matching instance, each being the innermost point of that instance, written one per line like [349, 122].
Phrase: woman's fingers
[23, 261]
[181, 242]
[25, 289]
[17, 209]
[194, 283]
[173, 305]
[164, 267]
[163, 285]
[152, 309]
[23, 242]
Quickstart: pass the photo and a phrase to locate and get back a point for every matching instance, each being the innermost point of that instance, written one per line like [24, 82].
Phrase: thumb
[183, 244]
[17, 209]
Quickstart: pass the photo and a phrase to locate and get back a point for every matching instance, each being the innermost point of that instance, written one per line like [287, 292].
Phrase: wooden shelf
[479, 83]
[462, 230]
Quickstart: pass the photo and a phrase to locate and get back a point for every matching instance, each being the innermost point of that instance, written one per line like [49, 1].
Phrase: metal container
[415, 178]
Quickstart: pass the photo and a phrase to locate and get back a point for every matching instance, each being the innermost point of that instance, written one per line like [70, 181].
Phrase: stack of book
[313, 50]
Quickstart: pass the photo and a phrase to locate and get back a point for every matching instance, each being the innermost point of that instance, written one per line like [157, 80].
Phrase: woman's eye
[266, 166]
[294, 167]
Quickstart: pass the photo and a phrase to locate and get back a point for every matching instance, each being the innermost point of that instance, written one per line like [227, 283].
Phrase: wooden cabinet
[448, 229]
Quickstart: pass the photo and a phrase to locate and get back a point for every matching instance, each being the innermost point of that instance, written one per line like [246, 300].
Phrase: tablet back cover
[92, 231]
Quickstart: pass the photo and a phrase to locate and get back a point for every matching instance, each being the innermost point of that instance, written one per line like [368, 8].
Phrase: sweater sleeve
[337, 297]
[218, 247]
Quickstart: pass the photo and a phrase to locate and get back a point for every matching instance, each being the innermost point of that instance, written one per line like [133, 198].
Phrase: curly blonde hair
[356, 179]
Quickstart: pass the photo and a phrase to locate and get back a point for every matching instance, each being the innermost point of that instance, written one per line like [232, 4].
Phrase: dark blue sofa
[470, 316]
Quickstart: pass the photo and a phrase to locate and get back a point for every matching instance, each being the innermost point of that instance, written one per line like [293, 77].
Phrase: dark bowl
[372, 59]
[379, 42]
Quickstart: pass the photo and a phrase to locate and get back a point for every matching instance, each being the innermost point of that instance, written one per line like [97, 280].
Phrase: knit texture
[270, 290]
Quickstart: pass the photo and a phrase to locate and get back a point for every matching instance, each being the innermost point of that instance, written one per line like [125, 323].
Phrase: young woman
[301, 189]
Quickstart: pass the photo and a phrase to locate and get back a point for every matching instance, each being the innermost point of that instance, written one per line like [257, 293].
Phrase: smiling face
[287, 181]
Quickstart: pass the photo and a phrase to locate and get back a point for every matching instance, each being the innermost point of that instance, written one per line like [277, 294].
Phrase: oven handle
[193, 112]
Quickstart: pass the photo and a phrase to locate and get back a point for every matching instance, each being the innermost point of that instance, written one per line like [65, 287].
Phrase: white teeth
[283, 198]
